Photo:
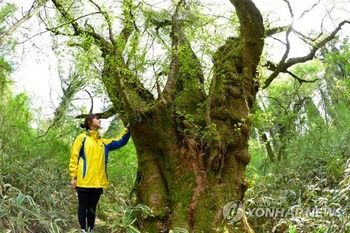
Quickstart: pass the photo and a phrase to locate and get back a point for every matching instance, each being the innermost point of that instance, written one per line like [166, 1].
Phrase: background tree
[316, 156]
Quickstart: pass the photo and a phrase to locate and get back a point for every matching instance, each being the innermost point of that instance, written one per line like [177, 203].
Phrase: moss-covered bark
[179, 182]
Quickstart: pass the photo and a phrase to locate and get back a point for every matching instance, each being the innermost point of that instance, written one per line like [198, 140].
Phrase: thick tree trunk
[191, 168]
[186, 177]
[185, 182]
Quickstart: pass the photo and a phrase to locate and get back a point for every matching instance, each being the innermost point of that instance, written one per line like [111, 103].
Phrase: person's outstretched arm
[117, 142]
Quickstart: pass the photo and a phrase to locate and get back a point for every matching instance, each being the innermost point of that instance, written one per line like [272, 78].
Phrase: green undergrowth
[307, 191]
[36, 196]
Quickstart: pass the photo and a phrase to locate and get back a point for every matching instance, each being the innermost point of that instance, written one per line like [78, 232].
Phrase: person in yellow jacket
[88, 167]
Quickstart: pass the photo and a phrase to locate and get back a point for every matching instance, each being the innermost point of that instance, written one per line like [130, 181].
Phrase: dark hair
[87, 120]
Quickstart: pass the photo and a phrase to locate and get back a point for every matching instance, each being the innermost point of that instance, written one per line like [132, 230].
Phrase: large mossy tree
[191, 138]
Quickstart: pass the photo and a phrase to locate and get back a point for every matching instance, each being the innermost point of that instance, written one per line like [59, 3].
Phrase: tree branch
[54, 29]
[127, 81]
[308, 10]
[103, 115]
[185, 84]
[108, 20]
[157, 84]
[289, 8]
[251, 33]
[124, 89]
[74, 85]
[300, 80]
[128, 23]
[32, 11]
[275, 30]
[78, 30]
[307, 39]
[169, 88]
[292, 61]
[284, 65]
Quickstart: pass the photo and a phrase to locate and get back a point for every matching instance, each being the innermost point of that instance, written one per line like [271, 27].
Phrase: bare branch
[279, 40]
[32, 11]
[300, 80]
[292, 61]
[103, 115]
[308, 10]
[307, 39]
[330, 16]
[285, 55]
[108, 20]
[283, 66]
[289, 8]
[272, 31]
[271, 66]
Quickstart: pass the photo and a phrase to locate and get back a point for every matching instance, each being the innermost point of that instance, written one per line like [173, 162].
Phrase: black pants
[88, 199]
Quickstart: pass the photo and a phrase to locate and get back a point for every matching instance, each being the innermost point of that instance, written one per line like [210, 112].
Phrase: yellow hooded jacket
[89, 158]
